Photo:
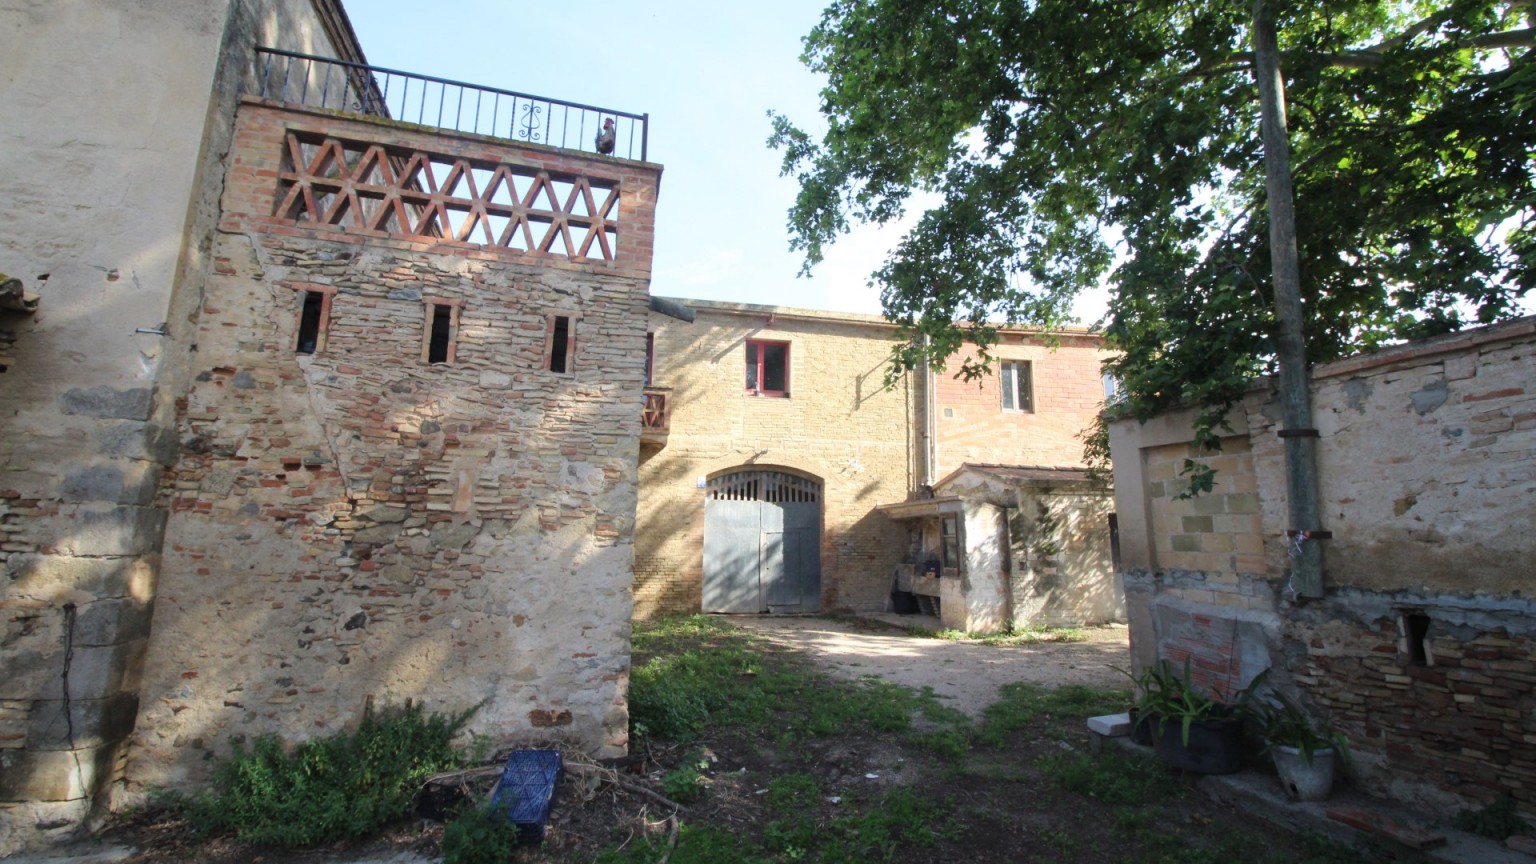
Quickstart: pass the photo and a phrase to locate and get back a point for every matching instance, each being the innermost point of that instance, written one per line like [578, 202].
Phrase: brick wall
[1068, 392]
[1422, 647]
[361, 523]
[838, 425]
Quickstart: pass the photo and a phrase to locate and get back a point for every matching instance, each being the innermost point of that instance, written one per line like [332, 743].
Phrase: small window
[441, 331]
[1018, 389]
[767, 368]
[650, 356]
[562, 344]
[949, 535]
[314, 318]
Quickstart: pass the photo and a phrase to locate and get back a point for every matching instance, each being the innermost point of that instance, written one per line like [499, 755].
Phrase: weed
[1021, 703]
[479, 835]
[696, 844]
[789, 793]
[1010, 636]
[686, 783]
[1112, 778]
[1499, 820]
[326, 789]
[900, 818]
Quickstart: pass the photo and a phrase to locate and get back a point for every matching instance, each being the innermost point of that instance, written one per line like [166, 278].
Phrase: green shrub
[479, 835]
[1499, 820]
[340, 787]
[685, 783]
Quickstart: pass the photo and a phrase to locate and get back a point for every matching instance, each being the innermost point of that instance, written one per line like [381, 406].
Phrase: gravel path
[967, 675]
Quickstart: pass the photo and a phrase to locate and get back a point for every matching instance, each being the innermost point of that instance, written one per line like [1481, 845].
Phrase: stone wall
[359, 522]
[1422, 648]
[838, 425]
[112, 178]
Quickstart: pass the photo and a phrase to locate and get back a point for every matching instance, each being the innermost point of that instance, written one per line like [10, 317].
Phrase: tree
[1076, 141]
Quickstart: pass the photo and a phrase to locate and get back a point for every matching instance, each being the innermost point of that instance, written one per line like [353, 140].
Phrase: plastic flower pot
[1304, 780]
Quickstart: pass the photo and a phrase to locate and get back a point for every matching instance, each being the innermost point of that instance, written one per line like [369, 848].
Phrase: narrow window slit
[1416, 634]
[560, 343]
[309, 322]
[442, 333]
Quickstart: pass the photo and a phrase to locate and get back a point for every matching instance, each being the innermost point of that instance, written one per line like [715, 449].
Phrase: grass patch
[1498, 820]
[700, 673]
[341, 787]
[1011, 636]
[1019, 705]
[1113, 778]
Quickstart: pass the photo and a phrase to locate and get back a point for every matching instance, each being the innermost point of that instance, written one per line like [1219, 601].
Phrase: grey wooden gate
[762, 543]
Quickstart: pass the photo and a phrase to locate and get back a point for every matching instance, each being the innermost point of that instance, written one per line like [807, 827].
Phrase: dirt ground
[966, 675]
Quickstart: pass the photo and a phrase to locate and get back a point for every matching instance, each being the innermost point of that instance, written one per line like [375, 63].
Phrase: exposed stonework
[361, 522]
[866, 445]
[111, 205]
[1424, 647]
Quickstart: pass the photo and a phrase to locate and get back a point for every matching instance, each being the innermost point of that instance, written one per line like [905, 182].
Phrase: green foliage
[1020, 704]
[479, 835]
[901, 818]
[1500, 819]
[1284, 723]
[696, 844]
[702, 673]
[327, 789]
[1112, 778]
[1064, 152]
[1012, 636]
[1172, 697]
[685, 784]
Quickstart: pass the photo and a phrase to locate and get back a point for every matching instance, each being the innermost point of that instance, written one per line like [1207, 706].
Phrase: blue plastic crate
[527, 789]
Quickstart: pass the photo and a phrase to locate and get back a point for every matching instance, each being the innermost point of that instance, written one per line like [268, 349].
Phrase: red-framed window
[1018, 386]
[767, 368]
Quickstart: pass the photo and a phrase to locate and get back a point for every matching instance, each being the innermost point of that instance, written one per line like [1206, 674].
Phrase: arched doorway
[762, 543]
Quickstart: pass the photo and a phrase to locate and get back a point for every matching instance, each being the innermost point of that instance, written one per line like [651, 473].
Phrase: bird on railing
[604, 139]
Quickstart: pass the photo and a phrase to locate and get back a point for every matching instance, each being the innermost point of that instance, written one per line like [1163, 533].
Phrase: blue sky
[707, 73]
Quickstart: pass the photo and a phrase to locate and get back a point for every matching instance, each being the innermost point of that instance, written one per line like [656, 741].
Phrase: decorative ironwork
[368, 187]
[759, 485]
[325, 82]
[529, 132]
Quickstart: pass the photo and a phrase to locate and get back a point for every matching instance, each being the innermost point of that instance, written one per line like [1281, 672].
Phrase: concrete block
[89, 722]
[148, 441]
[99, 672]
[51, 577]
[1110, 725]
[125, 483]
[107, 622]
[125, 530]
[54, 775]
[134, 403]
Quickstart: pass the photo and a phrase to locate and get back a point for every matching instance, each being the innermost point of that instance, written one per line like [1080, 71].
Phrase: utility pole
[1299, 435]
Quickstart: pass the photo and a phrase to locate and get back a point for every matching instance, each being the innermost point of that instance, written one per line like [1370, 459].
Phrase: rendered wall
[361, 523]
[839, 425]
[117, 117]
[1427, 465]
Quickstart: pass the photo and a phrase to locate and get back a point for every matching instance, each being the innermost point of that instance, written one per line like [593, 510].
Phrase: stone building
[778, 472]
[1423, 648]
[314, 405]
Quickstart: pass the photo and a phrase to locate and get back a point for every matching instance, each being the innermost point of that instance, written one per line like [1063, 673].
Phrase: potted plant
[1305, 750]
[1192, 731]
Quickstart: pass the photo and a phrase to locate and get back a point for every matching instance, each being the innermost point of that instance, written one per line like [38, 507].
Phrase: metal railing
[325, 82]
